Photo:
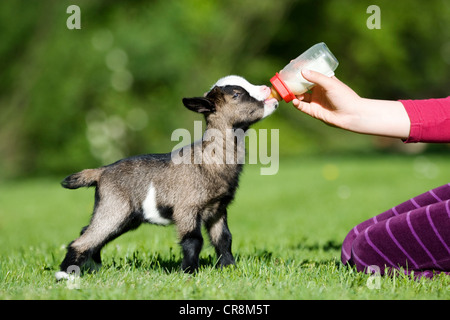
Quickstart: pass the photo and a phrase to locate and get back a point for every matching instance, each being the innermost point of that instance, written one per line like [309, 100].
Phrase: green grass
[287, 231]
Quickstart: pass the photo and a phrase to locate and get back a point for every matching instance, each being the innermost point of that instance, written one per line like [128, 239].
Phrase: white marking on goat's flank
[254, 91]
[150, 208]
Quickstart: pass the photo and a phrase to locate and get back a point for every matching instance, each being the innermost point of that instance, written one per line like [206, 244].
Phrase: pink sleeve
[430, 120]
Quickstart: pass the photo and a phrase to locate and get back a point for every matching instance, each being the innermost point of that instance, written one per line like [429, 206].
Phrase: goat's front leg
[191, 241]
[220, 237]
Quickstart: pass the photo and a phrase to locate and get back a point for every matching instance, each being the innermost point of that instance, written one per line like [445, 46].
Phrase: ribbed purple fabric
[414, 236]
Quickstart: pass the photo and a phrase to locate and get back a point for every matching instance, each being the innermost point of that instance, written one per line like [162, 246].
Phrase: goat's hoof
[91, 266]
[189, 269]
[61, 275]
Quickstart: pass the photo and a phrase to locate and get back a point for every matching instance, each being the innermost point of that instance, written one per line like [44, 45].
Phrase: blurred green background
[71, 99]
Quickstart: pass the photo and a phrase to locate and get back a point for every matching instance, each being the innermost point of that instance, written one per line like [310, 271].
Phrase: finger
[318, 78]
[305, 97]
[302, 106]
[298, 104]
[340, 82]
[297, 100]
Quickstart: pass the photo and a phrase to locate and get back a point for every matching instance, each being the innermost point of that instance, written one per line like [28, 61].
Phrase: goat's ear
[199, 104]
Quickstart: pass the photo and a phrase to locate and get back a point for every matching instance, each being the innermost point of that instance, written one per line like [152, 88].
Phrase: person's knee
[346, 249]
[363, 255]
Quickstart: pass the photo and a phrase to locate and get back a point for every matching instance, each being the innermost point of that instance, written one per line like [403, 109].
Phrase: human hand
[331, 101]
[336, 104]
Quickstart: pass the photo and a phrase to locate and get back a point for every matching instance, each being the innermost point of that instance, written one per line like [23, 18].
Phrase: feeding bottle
[290, 82]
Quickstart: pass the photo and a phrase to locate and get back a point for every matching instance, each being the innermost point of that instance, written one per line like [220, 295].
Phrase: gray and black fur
[187, 195]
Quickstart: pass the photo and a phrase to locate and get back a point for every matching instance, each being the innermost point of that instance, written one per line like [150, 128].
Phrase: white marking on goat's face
[260, 93]
[269, 107]
[150, 208]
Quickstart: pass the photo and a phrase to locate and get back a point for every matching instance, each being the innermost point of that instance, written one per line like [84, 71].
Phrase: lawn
[287, 230]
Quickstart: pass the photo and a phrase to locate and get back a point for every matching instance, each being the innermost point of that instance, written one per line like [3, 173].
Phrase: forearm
[381, 118]
[336, 104]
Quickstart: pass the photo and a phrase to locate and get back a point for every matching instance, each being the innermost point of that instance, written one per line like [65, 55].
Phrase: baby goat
[154, 189]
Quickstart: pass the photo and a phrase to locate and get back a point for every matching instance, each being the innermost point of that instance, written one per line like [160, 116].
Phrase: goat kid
[153, 189]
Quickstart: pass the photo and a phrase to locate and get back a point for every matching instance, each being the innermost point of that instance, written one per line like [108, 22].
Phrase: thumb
[318, 78]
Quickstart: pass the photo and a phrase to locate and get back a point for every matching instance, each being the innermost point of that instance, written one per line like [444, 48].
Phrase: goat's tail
[85, 178]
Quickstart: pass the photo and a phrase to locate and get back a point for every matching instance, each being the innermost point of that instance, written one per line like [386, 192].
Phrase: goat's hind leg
[108, 222]
[93, 263]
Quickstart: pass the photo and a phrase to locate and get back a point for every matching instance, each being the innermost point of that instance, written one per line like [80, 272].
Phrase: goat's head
[234, 102]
